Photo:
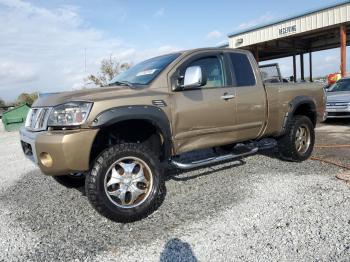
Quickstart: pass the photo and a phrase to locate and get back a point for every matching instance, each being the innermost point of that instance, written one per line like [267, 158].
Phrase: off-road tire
[286, 144]
[95, 189]
[70, 181]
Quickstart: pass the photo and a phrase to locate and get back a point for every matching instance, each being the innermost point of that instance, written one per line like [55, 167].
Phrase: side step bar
[212, 160]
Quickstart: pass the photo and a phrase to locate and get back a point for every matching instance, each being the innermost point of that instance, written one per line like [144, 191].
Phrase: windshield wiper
[121, 83]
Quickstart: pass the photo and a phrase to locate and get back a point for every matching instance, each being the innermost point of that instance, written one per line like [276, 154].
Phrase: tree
[2, 102]
[108, 70]
[26, 98]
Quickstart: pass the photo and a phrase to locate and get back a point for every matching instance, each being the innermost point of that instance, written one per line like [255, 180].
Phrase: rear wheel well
[129, 131]
[306, 110]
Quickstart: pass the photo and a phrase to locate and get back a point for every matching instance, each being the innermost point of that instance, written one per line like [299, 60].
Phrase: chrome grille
[37, 119]
[338, 104]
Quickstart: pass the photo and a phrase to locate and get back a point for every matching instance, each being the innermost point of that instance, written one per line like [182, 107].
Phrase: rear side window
[242, 69]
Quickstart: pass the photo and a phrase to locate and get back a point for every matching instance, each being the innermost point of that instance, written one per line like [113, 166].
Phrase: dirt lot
[259, 209]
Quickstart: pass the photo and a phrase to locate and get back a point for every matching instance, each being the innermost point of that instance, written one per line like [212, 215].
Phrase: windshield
[340, 86]
[144, 72]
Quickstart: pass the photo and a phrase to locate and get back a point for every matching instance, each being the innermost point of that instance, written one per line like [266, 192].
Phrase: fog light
[46, 159]
[325, 114]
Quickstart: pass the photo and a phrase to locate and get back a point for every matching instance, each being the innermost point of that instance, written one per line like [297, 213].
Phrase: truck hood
[93, 95]
[338, 97]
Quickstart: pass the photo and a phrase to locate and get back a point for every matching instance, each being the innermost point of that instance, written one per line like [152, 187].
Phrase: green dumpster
[15, 118]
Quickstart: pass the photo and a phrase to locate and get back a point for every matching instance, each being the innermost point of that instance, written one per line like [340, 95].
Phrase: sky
[43, 43]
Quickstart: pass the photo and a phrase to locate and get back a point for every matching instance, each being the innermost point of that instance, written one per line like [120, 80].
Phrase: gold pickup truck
[115, 140]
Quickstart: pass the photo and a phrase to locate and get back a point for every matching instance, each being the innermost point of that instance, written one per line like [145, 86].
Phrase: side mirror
[194, 77]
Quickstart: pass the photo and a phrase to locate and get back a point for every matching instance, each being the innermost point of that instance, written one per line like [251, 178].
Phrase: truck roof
[209, 49]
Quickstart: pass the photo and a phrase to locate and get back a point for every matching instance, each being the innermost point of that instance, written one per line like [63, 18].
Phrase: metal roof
[288, 18]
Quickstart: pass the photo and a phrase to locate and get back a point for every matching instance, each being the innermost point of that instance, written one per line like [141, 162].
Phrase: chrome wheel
[128, 182]
[302, 139]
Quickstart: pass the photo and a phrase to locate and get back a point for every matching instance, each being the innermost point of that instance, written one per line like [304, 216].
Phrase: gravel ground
[260, 209]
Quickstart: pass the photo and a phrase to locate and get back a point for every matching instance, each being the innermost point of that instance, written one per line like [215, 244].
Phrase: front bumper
[69, 150]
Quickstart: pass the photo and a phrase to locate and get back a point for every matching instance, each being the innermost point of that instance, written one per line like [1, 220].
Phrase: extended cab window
[213, 68]
[243, 70]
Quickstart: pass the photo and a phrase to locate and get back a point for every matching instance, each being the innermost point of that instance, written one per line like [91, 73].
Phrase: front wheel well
[129, 131]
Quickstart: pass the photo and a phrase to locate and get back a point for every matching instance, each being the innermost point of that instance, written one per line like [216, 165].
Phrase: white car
[338, 99]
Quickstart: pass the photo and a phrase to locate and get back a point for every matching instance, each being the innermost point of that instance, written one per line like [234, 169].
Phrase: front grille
[338, 104]
[37, 119]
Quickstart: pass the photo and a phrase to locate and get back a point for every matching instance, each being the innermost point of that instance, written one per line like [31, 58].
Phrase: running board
[212, 160]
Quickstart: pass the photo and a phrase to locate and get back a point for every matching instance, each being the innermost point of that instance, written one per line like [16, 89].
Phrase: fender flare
[152, 114]
[294, 105]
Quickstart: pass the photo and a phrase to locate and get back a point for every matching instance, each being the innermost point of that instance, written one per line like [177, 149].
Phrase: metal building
[311, 31]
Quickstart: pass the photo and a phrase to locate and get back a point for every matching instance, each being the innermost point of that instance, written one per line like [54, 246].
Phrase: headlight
[69, 114]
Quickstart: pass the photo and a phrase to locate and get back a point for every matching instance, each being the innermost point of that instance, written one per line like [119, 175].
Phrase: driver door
[203, 117]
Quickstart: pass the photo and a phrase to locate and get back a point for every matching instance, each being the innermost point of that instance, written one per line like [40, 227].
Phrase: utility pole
[343, 50]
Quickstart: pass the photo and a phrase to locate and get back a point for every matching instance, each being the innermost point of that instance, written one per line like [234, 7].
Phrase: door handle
[227, 97]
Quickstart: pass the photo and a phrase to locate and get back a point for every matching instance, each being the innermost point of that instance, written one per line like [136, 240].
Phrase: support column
[310, 64]
[343, 50]
[302, 73]
[256, 53]
[294, 68]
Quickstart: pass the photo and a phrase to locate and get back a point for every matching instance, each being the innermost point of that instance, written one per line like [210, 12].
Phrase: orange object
[343, 50]
[332, 78]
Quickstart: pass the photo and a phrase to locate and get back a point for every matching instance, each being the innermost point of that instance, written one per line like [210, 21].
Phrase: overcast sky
[42, 42]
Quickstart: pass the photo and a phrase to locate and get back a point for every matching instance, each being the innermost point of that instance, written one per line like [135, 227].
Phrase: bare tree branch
[26, 98]
[108, 70]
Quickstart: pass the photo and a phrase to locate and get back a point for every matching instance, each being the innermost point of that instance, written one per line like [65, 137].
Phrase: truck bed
[279, 96]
